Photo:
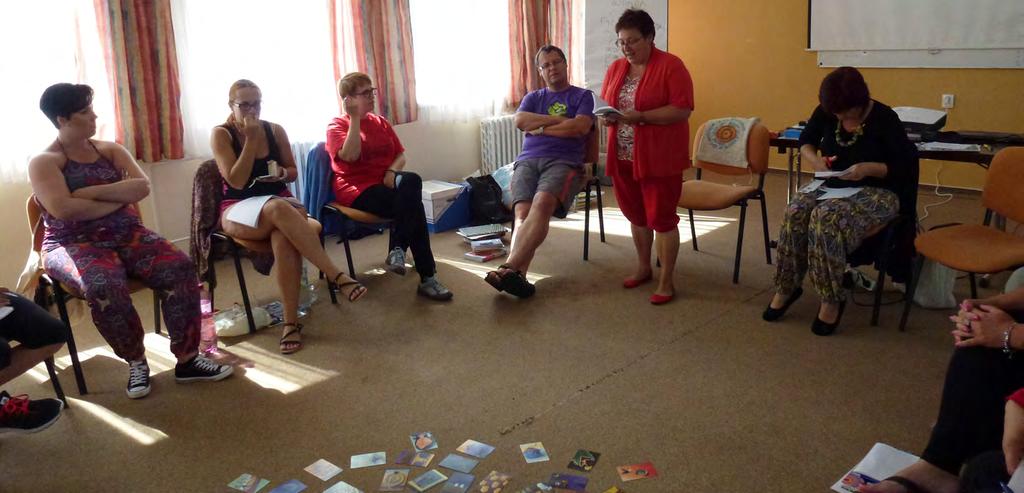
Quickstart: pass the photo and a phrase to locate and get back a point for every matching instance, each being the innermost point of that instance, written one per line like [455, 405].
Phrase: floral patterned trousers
[817, 235]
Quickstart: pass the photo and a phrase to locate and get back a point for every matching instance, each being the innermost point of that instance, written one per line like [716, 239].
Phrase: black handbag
[485, 201]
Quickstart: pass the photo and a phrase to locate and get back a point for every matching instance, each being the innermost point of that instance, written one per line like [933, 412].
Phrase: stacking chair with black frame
[703, 195]
[61, 295]
[979, 249]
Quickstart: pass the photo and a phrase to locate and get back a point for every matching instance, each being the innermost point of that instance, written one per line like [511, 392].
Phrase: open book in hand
[602, 108]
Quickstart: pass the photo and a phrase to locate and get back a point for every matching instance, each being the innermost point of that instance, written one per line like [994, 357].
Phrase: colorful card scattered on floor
[637, 471]
[404, 458]
[537, 488]
[394, 479]
[458, 463]
[422, 459]
[248, 483]
[476, 449]
[368, 460]
[568, 482]
[293, 486]
[613, 489]
[323, 470]
[458, 483]
[423, 440]
[493, 481]
[534, 452]
[584, 460]
[427, 480]
[343, 487]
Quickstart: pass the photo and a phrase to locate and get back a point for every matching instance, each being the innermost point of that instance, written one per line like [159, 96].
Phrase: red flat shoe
[661, 299]
[632, 283]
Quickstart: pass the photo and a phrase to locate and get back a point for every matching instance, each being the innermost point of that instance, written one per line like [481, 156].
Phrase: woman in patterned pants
[94, 240]
[864, 140]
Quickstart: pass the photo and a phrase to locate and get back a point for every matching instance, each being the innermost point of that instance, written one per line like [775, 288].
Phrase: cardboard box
[456, 215]
[437, 196]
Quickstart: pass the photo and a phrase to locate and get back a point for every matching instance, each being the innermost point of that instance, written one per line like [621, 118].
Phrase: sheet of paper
[247, 212]
[1017, 480]
[830, 174]
[812, 186]
[838, 193]
[881, 462]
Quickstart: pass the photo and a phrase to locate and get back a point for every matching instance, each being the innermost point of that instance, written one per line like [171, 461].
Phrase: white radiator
[500, 142]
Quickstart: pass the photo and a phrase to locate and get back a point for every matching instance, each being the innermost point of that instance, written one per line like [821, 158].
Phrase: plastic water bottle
[208, 328]
[307, 293]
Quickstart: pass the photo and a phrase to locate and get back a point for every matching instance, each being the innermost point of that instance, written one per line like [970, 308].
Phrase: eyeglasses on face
[248, 105]
[369, 92]
[553, 64]
[622, 43]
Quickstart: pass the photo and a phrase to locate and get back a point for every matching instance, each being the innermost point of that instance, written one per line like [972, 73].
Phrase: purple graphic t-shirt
[570, 103]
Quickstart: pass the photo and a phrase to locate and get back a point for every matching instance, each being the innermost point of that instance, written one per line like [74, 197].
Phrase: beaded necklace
[857, 132]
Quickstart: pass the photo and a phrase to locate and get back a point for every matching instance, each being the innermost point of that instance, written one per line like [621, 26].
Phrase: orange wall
[748, 58]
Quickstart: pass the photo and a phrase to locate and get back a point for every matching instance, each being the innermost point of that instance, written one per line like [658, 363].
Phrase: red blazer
[658, 150]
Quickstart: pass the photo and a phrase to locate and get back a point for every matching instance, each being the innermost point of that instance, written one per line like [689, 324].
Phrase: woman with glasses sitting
[648, 145]
[368, 161]
[255, 161]
[863, 142]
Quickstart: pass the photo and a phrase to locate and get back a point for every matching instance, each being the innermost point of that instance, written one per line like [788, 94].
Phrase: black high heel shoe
[772, 314]
[821, 328]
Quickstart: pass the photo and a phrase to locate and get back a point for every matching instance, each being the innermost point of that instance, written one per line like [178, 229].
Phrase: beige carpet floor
[718, 400]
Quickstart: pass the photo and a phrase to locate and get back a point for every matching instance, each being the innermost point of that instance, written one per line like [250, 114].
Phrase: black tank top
[259, 167]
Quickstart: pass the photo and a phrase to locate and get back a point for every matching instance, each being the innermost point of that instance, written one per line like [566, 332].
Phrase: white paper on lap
[838, 193]
[247, 212]
[880, 463]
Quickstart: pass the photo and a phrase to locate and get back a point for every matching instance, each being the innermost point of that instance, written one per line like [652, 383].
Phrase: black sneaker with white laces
[18, 414]
[138, 379]
[199, 369]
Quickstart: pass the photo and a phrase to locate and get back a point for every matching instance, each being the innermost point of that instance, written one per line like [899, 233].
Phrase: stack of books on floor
[484, 242]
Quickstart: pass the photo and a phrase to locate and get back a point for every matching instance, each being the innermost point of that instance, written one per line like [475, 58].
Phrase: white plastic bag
[232, 322]
[935, 286]
[503, 176]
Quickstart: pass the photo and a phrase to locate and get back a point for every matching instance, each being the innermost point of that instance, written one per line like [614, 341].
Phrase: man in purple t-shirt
[558, 120]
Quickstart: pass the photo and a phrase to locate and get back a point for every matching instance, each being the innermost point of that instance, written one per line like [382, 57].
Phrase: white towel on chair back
[725, 141]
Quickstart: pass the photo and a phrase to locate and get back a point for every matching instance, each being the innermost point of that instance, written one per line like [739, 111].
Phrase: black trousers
[29, 325]
[404, 204]
[970, 421]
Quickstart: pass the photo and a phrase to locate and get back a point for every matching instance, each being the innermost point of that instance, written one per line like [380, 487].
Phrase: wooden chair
[974, 248]
[701, 195]
[61, 294]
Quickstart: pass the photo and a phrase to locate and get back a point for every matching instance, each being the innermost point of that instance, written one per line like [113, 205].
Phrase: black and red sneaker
[18, 414]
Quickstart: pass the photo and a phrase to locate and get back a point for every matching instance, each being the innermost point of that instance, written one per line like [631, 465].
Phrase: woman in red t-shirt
[648, 145]
[367, 159]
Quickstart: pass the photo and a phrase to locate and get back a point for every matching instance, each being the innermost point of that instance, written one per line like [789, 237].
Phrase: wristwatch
[1007, 350]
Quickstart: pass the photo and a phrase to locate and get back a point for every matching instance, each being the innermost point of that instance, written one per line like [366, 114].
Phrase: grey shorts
[559, 177]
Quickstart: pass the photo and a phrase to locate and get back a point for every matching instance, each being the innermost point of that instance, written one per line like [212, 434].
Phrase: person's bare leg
[532, 231]
[930, 478]
[288, 265]
[667, 246]
[23, 358]
[643, 238]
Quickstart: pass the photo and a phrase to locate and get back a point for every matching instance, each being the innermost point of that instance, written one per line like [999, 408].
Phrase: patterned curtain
[375, 37]
[143, 73]
[528, 26]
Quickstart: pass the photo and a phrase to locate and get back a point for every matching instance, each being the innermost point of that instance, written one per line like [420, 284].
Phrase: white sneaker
[138, 379]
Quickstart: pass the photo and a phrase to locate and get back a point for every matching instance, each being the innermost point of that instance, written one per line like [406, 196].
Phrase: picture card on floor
[534, 452]
[404, 458]
[368, 460]
[343, 487]
[421, 459]
[584, 460]
[394, 479]
[881, 462]
[323, 470]
[568, 482]
[633, 472]
[459, 463]
[423, 440]
[293, 486]
[613, 489]
[476, 449]
[458, 483]
[427, 480]
[248, 483]
[493, 481]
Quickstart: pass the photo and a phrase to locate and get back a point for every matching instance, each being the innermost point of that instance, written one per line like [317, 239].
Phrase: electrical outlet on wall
[947, 101]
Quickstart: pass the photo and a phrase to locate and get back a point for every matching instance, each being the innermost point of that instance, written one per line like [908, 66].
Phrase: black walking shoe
[200, 369]
[772, 314]
[138, 379]
[18, 414]
[821, 328]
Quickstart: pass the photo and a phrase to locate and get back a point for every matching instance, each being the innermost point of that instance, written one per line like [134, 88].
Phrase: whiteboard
[599, 37]
[917, 33]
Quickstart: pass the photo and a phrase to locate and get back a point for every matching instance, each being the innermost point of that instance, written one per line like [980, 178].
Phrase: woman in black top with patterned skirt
[865, 140]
